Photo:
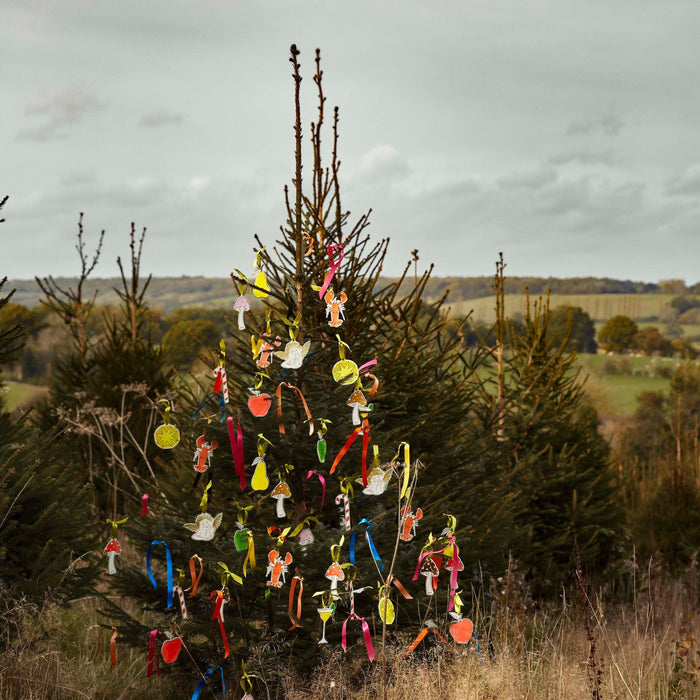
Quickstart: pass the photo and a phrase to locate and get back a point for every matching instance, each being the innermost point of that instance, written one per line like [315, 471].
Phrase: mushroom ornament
[279, 493]
[334, 573]
[111, 550]
[357, 402]
[429, 569]
[242, 305]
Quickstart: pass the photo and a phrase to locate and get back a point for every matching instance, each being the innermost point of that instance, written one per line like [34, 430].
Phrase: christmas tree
[289, 515]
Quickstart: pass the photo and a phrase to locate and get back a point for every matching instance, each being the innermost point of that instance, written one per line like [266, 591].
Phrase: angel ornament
[204, 527]
[293, 354]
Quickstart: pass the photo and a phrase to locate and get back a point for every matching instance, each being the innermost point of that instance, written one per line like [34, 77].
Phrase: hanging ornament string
[417, 641]
[295, 617]
[144, 505]
[235, 437]
[152, 654]
[303, 401]
[217, 597]
[195, 579]
[364, 429]
[112, 645]
[365, 632]
[204, 680]
[169, 566]
[370, 543]
[335, 257]
[321, 478]
[250, 556]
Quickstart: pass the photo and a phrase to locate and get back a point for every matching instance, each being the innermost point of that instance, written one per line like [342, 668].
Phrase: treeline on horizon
[170, 293]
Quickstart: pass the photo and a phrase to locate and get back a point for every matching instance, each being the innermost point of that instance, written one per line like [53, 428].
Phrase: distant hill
[170, 293]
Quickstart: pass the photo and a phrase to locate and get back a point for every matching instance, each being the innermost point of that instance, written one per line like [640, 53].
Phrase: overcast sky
[561, 132]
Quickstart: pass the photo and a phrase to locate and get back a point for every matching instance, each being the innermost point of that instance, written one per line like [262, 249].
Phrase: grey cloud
[62, 107]
[686, 185]
[584, 157]
[608, 124]
[530, 179]
[161, 117]
[383, 164]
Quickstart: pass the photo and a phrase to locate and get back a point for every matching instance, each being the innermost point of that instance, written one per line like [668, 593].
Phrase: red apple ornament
[171, 649]
[259, 403]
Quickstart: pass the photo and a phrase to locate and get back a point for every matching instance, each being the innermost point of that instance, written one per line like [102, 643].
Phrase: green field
[615, 394]
[599, 307]
[18, 394]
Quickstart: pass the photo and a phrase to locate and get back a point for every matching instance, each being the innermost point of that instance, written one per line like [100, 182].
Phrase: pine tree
[46, 533]
[311, 367]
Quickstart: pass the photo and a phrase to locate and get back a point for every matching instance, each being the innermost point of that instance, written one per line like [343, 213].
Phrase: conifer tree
[334, 366]
[46, 533]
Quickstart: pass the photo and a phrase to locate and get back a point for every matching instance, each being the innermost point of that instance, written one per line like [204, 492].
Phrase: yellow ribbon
[335, 549]
[250, 556]
[227, 574]
[115, 524]
[205, 498]
[304, 523]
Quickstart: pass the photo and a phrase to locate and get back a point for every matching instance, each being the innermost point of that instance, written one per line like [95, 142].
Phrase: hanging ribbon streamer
[236, 439]
[345, 448]
[112, 645]
[321, 478]
[303, 401]
[365, 631]
[295, 617]
[418, 640]
[152, 654]
[368, 537]
[335, 251]
[407, 466]
[144, 505]
[400, 586]
[218, 615]
[197, 578]
[454, 566]
[371, 363]
[250, 556]
[204, 680]
[169, 565]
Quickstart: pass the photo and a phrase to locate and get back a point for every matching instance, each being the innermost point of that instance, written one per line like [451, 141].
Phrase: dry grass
[646, 650]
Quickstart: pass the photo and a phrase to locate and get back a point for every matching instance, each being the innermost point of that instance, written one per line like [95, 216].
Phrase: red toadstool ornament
[112, 550]
[430, 570]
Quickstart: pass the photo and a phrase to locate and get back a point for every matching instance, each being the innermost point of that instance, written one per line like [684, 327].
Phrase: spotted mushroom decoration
[357, 402]
[429, 569]
[334, 573]
[242, 305]
[112, 550]
[279, 493]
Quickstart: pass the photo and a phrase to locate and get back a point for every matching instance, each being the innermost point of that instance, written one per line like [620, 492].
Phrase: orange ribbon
[112, 645]
[418, 640]
[295, 618]
[195, 579]
[303, 401]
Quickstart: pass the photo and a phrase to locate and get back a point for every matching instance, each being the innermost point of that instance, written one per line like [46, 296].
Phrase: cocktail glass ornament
[325, 612]
[202, 454]
[335, 308]
[166, 436]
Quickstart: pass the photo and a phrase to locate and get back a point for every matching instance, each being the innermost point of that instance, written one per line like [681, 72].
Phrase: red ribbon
[236, 440]
[292, 616]
[310, 473]
[144, 505]
[333, 250]
[216, 615]
[303, 401]
[365, 631]
[152, 654]
[364, 429]
[453, 574]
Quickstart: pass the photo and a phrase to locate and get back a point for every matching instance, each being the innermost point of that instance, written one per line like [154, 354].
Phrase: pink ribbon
[236, 440]
[333, 250]
[144, 505]
[152, 654]
[365, 631]
[361, 368]
[422, 556]
[310, 473]
[453, 574]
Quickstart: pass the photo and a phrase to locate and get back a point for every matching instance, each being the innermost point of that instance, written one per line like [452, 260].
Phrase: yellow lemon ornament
[345, 372]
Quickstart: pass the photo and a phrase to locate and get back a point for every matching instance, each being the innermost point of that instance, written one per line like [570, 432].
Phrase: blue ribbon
[368, 537]
[204, 680]
[169, 564]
